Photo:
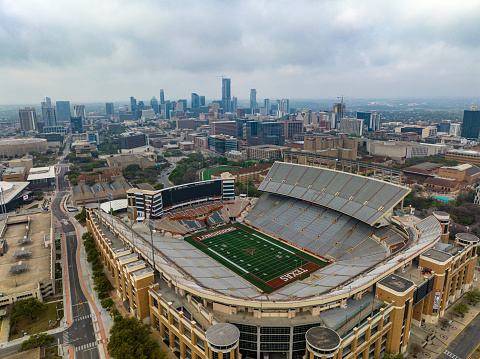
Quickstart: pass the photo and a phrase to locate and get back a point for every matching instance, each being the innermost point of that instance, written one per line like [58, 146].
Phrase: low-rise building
[402, 150]
[27, 162]
[466, 174]
[463, 156]
[123, 161]
[83, 147]
[20, 146]
[265, 152]
[12, 174]
[243, 175]
[83, 194]
[41, 178]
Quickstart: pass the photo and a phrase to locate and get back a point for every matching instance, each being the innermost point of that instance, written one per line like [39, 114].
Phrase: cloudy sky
[104, 50]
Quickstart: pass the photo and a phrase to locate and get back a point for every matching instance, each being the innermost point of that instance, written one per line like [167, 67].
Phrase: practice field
[265, 262]
[207, 172]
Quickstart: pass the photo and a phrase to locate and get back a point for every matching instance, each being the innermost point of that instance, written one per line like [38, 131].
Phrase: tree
[82, 216]
[130, 339]
[107, 303]
[415, 349]
[37, 340]
[102, 284]
[159, 186]
[461, 309]
[388, 355]
[473, 296]
[28, 308]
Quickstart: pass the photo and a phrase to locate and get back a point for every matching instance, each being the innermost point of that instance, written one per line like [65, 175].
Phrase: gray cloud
[109, 50]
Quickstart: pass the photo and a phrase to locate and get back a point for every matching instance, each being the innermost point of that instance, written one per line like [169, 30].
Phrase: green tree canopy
[28, 308]
[37, 340]
[130, 339]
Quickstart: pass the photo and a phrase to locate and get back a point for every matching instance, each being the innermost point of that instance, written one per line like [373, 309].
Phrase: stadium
[324, 264]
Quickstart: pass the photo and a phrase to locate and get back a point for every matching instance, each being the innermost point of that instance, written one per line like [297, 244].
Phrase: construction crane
[342, 106]
[342, 97]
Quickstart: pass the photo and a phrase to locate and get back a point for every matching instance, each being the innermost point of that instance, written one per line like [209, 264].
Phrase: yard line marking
[266, 240]
[229, 261]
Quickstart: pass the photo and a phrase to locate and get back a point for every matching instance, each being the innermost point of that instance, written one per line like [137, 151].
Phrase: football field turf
[265, 262]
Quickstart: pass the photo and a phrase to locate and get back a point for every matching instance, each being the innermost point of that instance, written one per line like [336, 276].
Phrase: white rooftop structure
[41, 172]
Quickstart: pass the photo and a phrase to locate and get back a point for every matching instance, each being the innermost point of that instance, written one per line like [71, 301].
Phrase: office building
[226, 94]
[202, 101]
[162, 97]
[370, 119]
[471, 123]
[109, 108]
[154, 104]
[229, 128]
[443, 127]
[63, 111]
[290, 128]
[79, 111]
[27, 118]
[234, 104]
[195, 102]
[399, 150]
[351, 126]
[284, 105]
[76, 124]
[262, 133]
[266, 104]
[48, 115]
[222, 143]
[463, 156]
[455, 129]
[130, 140]
[422, 131]
[133, 104]
[253, 99]
[12, 147]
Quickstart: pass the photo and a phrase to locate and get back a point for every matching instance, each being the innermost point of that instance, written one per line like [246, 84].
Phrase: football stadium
[325, 264]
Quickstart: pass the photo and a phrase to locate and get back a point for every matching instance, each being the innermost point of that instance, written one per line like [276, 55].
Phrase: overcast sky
[102, 50]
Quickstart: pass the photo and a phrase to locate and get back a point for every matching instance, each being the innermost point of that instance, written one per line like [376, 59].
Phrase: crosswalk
[76, 319]
[83, 347]
[451, 355]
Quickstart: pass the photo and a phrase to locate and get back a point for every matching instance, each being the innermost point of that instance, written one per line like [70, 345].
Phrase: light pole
[131, 213]
[151, 225]
[110, 198]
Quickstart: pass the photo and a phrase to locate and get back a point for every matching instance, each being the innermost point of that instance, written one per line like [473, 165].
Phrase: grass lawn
[37, 326]
[265, 262]
[34, 206]
[207, 172]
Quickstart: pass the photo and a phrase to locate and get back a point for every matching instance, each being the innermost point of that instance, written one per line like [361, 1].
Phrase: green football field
[265, 262]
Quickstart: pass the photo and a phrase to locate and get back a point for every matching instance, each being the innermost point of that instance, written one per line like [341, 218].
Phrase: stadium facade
[388, 270]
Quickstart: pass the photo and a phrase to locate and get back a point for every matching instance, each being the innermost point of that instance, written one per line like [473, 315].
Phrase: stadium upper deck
[360, 197]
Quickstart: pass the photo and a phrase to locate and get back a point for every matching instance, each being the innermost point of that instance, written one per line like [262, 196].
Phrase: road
[464, 343]
[163, 178]
[81, 333]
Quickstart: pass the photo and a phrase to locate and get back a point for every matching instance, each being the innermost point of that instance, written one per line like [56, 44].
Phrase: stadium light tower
[151, 225]
[131, 213]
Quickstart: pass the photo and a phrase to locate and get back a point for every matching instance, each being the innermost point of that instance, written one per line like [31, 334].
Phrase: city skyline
[304, 49]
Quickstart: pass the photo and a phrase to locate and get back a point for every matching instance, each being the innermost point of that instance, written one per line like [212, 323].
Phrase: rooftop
[38, 262]
[396, 283]
[437, 255]
[323, 338]
[41, 172]
[14, 170]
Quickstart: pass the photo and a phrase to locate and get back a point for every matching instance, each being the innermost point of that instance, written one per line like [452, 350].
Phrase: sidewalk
[444, 336]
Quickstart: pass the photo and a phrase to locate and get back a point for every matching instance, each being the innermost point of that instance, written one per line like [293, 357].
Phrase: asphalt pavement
[464, 342]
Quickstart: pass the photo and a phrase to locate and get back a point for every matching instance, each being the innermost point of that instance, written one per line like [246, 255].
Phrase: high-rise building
[202, 100]
[27, 119]
[339, 110]
[253, 99]
[455, 129]
[48, 115]
[370, 119]
[266, 104]
[226, 94]
[62, 111]
[76, 124]
[133, 104]
[351, 126]
[79, 111]
[284, 105]
[48, 101]
[162, 97]
[110, 109]
[154, 104]
[195, 100]
[234, 104]
[471, 123]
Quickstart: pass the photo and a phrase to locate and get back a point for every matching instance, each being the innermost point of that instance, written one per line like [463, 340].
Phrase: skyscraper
[154, 104]
[48, 115]
[63, 111]
[253, 99]
[339, 109]
[109, 108]
[79, 111]
[266, 103]
[162, 97]
[370, 119]
[76, 124]
[195, 100]
[27, 119]
[226, 94]
[133, 104]
[471, 123]
[48, 101]
[202, 100]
